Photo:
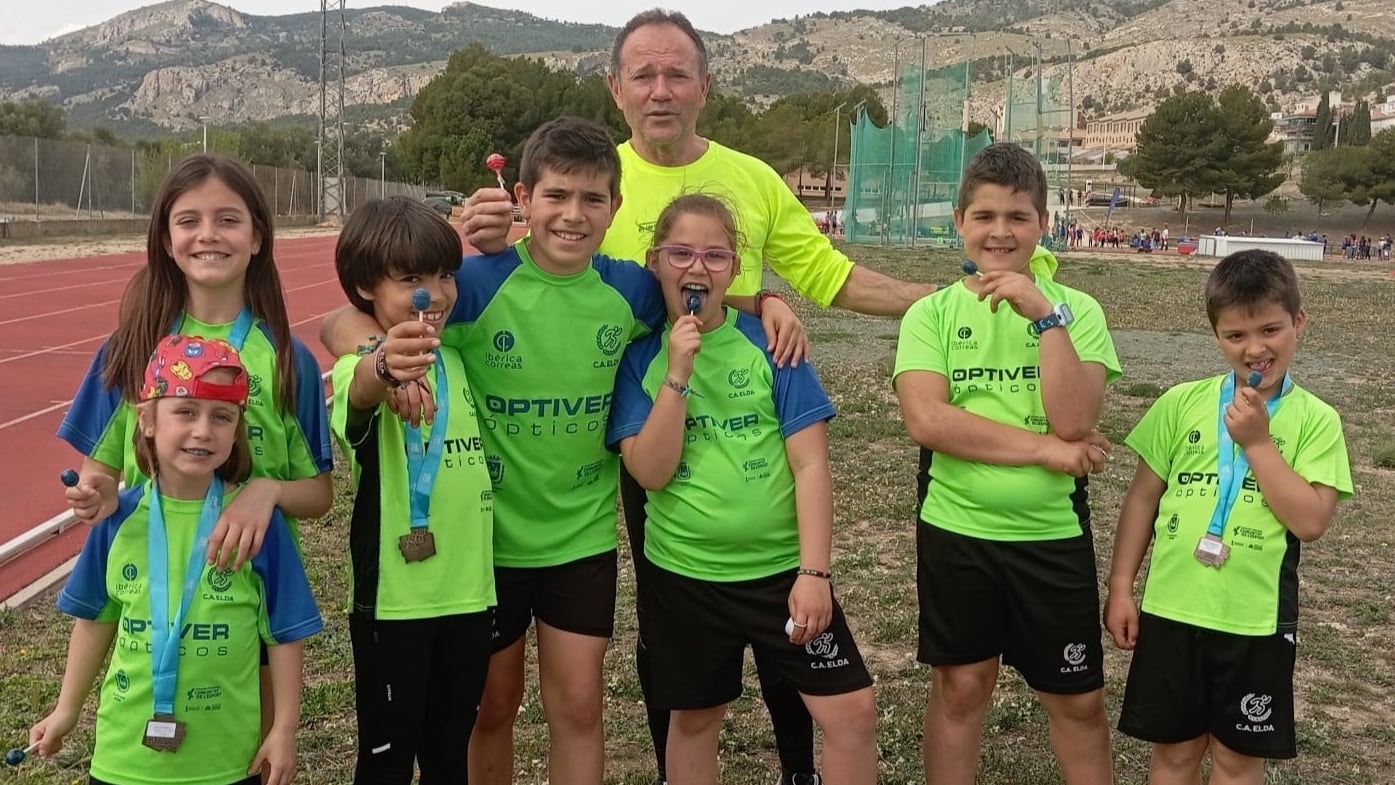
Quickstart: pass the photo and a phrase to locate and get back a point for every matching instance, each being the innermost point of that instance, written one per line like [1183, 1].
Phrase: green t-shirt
[1256, 591]
[729, 512]
[541, 352]
[992, 363]
[460, 577]
[285, 444]
[217, 692]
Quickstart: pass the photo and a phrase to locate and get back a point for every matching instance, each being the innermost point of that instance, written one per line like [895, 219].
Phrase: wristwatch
[1060, 316]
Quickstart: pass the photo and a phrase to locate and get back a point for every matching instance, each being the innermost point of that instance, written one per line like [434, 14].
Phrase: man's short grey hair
[657, 16]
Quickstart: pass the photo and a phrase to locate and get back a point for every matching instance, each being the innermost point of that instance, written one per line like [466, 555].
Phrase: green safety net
[903, 180]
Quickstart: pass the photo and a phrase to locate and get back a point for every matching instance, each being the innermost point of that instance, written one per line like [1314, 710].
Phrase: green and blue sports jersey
[286, 445]
[992, 363]
[774, 225]
[729, 512]
[541, 353]
[232, 613]
[460, 577]
[1256, 591]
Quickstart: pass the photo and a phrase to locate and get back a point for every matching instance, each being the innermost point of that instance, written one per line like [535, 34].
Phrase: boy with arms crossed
[1003, 397]
[1214, 647]
[421, 536]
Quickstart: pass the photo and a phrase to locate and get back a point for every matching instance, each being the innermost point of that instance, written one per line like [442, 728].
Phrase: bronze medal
[163, 733]
[418, 545]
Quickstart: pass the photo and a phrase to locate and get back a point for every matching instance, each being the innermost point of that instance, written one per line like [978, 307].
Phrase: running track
[53, 316]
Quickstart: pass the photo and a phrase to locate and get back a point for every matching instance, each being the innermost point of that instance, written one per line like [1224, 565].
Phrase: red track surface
[53, 317]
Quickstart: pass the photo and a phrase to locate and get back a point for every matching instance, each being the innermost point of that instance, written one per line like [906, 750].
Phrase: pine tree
[1247, 164]
[1178, 148]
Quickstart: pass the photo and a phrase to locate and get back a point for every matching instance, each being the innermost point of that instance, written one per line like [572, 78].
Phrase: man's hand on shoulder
[486, 220]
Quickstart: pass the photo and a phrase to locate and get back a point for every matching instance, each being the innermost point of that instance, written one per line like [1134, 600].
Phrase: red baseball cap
[180, 362]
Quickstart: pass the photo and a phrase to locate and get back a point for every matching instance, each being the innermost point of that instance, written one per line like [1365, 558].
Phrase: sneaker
[799, 778]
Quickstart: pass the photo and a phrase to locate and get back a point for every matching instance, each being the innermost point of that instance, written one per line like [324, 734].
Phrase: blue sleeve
[638, 286]
[480, 277]
[290, 606]
[630, 405]
[92, 408]
[799, 398]
[84, 596]
[310, 408]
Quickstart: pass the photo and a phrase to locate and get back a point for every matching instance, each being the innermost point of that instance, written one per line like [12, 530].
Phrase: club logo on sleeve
[1257, 710]
[823, 646]
[1074, 655]
[123, 682]
[609, 339]
[496, 469]
[1172, 524]
[254, 385]
[129, 572]
[684, 473]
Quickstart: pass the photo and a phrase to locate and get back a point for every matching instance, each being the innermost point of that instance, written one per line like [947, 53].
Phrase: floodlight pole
[1070, 132]
[891, 157]
[913, 191]
[833, 173]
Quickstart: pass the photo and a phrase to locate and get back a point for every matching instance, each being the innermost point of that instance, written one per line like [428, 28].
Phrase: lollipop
[421, 300]
[496, 162]
[69, 478]
[1254, 378]
[16, 756]
[694, 303]
[970, 268]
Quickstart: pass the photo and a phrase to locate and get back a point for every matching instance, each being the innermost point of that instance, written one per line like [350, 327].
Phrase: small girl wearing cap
[180, 702]
[733, 451]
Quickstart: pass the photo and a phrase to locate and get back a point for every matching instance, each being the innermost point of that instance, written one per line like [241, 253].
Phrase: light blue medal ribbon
[422, 464]
[1233, 464]
[165, 633]
[240, 328]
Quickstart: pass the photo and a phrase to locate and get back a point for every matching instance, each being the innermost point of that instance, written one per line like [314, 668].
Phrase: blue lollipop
[970, 268]
[69, 478]
[694, 303]
[1254, 378]
[421, 300]
[16, 756]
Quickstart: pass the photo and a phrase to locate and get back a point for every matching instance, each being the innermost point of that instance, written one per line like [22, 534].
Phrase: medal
[163, 733]
[1211, 551]
[422, 462]
[419, 545]
[1232, 466]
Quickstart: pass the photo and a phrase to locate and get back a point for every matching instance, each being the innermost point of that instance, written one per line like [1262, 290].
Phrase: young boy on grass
[421, 535]
[542, 329]
[1001, 379]
[1234, 472]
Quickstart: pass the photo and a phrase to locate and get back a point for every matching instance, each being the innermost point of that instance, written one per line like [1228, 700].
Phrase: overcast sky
[47, 18]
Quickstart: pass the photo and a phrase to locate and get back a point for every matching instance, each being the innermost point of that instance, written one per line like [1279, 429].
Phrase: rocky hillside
[168, 64]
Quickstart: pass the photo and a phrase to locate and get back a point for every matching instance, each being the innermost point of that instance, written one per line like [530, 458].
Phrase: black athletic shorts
[1186, 681]
[578, 597]
[697, 632]
[253, 780]
[1035, 604]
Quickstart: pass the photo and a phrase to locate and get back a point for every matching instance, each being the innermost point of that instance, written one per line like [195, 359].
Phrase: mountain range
[166, 66]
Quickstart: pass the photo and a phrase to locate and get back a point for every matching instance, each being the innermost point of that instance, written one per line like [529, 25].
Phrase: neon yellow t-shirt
[776, 227]
[1256, 591]
[992, 363]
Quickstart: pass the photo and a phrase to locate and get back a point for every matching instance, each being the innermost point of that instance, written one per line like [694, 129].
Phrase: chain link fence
[49, 179]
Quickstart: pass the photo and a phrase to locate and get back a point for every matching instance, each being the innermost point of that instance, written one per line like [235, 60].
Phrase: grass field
[1346, 672]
